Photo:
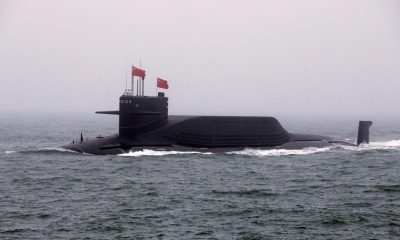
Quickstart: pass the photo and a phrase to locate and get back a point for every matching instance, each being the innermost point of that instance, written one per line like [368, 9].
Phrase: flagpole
[132, 83]
[141, 91]
[142, 86]
[126, 74]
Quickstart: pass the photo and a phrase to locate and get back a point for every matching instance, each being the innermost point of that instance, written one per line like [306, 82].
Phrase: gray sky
[283, 57]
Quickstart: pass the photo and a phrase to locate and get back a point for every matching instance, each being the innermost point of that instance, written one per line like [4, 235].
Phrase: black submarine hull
[111, 145]
[144, 123]
[206, 134]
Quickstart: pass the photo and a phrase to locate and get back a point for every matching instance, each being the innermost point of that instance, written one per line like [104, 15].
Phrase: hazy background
[280, 58]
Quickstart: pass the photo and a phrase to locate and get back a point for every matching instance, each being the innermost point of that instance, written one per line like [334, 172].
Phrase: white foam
[280, 152]
[385, 145]
[55, 149]
[392, 143]
[46, 149]
[149, 152]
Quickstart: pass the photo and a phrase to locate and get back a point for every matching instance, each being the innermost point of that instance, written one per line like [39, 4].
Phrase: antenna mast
[142, 84]
[133, 81]
[126, 74]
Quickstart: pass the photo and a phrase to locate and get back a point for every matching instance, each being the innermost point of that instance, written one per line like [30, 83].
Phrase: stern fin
[363, 132]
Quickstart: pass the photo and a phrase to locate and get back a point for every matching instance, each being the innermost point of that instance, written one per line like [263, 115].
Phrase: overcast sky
[220, 57]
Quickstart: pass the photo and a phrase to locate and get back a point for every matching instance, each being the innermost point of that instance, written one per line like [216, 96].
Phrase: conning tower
[140, 114]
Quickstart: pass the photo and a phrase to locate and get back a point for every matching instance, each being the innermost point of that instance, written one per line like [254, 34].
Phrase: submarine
[144, 123]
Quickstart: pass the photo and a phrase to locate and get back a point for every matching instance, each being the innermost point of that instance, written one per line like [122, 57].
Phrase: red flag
[138, 72]
[162, 83]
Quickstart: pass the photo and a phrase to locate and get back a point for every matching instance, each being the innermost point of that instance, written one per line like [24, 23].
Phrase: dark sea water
[329, 193]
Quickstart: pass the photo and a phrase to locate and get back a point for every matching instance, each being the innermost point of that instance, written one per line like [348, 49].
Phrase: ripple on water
[335, 193]
[247, 193]
[388, 188]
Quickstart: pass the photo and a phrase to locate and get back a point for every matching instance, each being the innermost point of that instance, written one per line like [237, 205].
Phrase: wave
[391, 144]
[384, 145]
[54, 149]
[280, 152]
[44, 150]
[149, 152]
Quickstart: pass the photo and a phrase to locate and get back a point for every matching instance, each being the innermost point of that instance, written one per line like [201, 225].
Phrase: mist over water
[220, 57]
[336, 192]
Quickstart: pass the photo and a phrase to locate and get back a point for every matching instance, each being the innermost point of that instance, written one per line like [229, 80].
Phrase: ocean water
[328, 193]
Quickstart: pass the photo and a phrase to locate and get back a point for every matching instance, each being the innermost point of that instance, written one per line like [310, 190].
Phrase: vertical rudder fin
[363, 132]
